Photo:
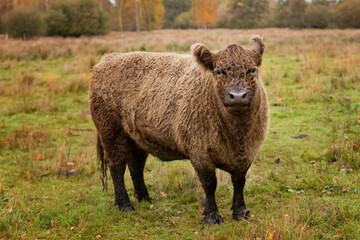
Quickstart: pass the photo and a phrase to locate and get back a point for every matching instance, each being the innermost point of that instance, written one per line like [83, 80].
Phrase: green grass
[313, 193]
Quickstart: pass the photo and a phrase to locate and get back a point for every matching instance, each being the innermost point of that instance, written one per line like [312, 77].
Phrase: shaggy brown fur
[180, 106]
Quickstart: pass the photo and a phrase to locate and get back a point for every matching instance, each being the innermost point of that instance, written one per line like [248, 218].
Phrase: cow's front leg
[240, 211]
[208, 181]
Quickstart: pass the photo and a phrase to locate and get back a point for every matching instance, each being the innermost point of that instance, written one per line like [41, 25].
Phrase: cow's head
[235, 70]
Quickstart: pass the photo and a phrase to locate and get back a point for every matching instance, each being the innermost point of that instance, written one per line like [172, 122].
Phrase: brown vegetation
[279, 41]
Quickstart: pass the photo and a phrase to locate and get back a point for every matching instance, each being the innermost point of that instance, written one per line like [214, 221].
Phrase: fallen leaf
[173, 222]
[72, 191]
[53, 222]
[70, 164]
[279, 99]
[356, 147]
[313, 162]
[72, 228]
[97, 235]
[163, 194]
[39, 157]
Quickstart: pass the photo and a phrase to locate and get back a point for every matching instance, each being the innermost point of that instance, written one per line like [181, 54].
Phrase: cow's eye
[241, 75]
[252, 70]
[217, 71]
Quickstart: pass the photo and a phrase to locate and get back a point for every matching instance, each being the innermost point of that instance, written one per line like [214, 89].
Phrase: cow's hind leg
[136, 166]
[117, 154]
[121, 197]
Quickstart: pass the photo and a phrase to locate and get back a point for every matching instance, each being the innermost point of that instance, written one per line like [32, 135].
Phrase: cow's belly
[163, 152]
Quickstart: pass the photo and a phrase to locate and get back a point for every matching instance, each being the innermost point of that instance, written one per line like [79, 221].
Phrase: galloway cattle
[209, 107]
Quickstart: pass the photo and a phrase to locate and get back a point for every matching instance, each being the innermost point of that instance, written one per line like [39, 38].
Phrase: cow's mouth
[237, 108]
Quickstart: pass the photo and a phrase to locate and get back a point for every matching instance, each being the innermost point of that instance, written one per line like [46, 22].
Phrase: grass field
[305, 183]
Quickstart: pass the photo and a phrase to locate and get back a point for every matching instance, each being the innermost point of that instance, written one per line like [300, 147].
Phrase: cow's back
[145, 93]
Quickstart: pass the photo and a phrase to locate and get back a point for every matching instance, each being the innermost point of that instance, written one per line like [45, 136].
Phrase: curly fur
[172, 106]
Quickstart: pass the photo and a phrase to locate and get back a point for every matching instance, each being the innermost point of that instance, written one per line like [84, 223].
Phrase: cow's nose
[238, 98]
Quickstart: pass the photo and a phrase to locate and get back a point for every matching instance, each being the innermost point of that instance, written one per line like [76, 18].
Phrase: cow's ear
[258, 48]
[203, 56]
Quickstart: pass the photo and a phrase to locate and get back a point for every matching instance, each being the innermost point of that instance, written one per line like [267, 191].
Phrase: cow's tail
[103, 166]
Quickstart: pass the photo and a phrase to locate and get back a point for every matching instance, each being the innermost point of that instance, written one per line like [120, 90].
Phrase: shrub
[348, 14]
[25, 23]
[76, 18]
[317, 16]
[183, 20]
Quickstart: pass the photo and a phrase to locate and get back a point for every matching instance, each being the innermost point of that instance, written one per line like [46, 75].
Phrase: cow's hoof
[128, 207]
[144, 198]
[244, 215]
[212, 219]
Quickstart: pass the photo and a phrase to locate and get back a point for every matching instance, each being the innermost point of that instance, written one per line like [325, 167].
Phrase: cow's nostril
[238, 98]
[232, 97]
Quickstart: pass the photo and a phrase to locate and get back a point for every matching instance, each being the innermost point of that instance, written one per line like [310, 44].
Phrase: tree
[348, 14]
[139, 14]
[152, 13]
[246, 13]
[5, 7]
[173, 8]
[317, 16]
[183, 20]
[120, 9]
[291, 13]
[203, 13]
[25, 23]
[76, 18]
[268, 18]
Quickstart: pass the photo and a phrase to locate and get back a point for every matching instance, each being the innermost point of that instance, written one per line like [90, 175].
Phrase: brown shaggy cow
[208, 107]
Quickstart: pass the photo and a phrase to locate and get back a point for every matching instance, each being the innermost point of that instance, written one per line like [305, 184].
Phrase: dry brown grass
[280, 41]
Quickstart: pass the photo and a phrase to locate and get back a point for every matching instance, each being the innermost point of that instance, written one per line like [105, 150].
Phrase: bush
[76, 18]
[25, 23]
[317, 16]
[182, 20]
[348, 14]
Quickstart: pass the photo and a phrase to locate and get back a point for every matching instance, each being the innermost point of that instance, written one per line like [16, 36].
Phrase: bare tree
[137, 15]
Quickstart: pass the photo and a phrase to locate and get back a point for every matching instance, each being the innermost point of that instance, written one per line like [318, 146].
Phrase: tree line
[28, 18]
